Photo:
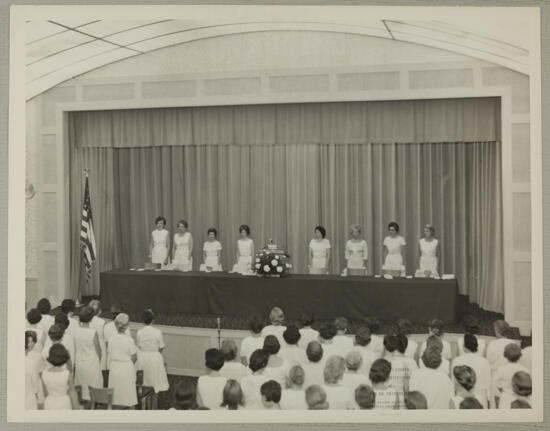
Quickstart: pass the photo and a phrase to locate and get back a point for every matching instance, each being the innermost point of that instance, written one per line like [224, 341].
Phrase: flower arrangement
[272, 263]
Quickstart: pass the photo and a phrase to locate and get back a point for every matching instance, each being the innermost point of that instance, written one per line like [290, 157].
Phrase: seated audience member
[232, 398]
[277, 368]
[314, 367]
[251, 384]
[520, 404]
[316, 398]
[232, 367]
[502, 377]
[326, 335]
[376, 344]
[364, 397]
[362, 341]
[404, 329]
[294, 398]
[399, 370]
[184, 396]
[352, 376]
[343, 342]
[401, 352]
[47, 320]
[271, 395]
[479, 364]
[56, 335]
[254, 341]
[338, 396]
[435, 328]
[415, 400]
[34, 365]
[58, 381]
[150, 355]
[526, 354]
[68, 307]
[98, 324]
[470, 403]
[386, 396]
[291, 352]
[522, 387]
[435, 385]
[495, 348]
[435, 341]
[465, 382]
[276, 326]
[307, 333]
[471, 327]
[210, 386]
[33, 318]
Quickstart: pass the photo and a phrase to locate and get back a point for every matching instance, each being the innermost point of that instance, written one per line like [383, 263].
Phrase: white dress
[211, 248]
[182, 257]
[57, 385]
[319, 250]
[87, 363]
[150, 360]
[356, 254]
[244, 263]
[34, 364]
[98, 324]
[394, 259]
[428, 256]
[122, 375]
[160, 246]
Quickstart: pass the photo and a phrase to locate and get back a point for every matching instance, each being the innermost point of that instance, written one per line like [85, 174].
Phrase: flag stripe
[87, 238]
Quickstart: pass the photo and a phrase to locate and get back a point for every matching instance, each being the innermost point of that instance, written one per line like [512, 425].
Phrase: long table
[327, 296]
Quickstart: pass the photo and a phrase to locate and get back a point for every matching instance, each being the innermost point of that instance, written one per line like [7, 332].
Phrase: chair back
[101, 396]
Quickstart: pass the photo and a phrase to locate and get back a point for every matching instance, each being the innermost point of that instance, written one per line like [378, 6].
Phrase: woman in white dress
[394, 248]
[122, 358]
[34, 365]
[58, 381]
[319, 252]
[88, 354]
[151, 344]
[159, 244]
[182, 249]
[245, 251]
[356, 250]
[429, 252]
[211, 252]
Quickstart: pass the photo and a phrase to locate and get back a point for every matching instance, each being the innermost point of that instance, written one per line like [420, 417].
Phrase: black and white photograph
[230, 209]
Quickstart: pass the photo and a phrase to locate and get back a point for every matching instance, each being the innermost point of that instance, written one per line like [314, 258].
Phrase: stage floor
[326, 296]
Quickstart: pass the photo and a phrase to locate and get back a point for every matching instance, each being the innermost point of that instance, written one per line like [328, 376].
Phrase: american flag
[87, 239]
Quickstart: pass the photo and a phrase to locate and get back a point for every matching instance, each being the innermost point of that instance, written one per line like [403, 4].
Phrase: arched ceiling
[60, 49]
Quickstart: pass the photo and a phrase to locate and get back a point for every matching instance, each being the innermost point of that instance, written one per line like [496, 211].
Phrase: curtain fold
[284, 171]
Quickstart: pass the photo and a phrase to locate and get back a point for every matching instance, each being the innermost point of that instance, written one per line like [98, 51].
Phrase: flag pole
[86, 172]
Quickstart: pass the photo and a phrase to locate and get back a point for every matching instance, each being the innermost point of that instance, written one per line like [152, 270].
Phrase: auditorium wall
[270, 67]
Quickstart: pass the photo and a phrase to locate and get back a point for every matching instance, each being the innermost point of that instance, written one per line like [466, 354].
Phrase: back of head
[470, 342]
[362, 336]
[56, 332]
[380, 371]
[470, 403]
[291, 335]
[328, 331]
[307, 319]
[184, 395]
[372, 323]
[96, 306]
[213, 359]
[276, 316]
[271, 345]
[58, 355]
[121, 321]
[402, 343]
[404, 326]
[314, 351]
[434, 341]
[62, 319]
[297, 375]
[502, 329]
[334, 369]
[391, 343]
[465, 376]
[316, 398]
[354, 360]
[271, 391]
[415, 400]
[522, 384]
[86, 314]
[255, 324]
[34, 316]
[232, 394]
[258, 360]
[68, 306]
[432, 357]
[471, 325]
[148, 316]
[512, 352]
[44, 306]
[229, 350]
[341, 324]
[436, 327]
[520, 404]
[364, 397]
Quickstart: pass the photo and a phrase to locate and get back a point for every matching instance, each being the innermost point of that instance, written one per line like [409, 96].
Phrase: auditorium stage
[327, 296]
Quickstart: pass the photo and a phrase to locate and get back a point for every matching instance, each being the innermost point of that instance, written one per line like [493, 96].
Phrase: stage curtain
[284, 188]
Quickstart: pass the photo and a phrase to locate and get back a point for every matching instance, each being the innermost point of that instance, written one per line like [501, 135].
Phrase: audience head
[321, 230]
[148, 316]
[380, 371]
[373, 324]
[512, 352]
[402, 343]
[432, 357]
[521, 384]
[256, 324]
[470, 342]
[276, 316]
[58, 355]
[393, 226]
[362, 336]
[341, 324]
[435, 327]
[291, 335]
[86, 314]
[415, 400]
[334, 369]
[271, 345]
[160, 219]
[502, 329]
[316, 398]
[314, 351]
[62, 319]
[34, 316]
[465, 376]
[520, 404]
[328, 332]
[364, 397]
[212, 233]
[434, 341]
[232, 395]
[297, 375]
[96, 306]
[307, 319]
[470, 403]
[258, 360]
[30, 339]
[122, 320]
[56, 332]
[354, 360]
[229, 350]
[471, 325]
[391, 343]
[44, 306]
[115, 310]
[404, 326]
[213, 359]
[244, 228]
[68, 306]
[271, 392]
[184, 396]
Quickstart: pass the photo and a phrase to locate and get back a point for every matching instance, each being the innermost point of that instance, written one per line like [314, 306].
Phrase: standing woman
[394, 248]
[159, 244]
[429, 253]
[245, 251]
[182, 249]
[211, 252]
[319, 252]
[356, 250]
[58, 381]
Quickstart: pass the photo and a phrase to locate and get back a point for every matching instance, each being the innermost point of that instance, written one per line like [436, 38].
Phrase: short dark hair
[34, 316]
[471, 324]
[147, 316]
[232, 395]
[436, 327]
[520, 404]
[244, 227]
[402, 343]
[62, 319]
[160, 218]
[229, 349]
[470, 342]
[212, 230]
[44, 306]
[341, 323]
[380, 371]
[314, 351]
[68, 305]
[307, 319]
[391, 343]
[435, 341]
[258, 360]
[328, 331]
[271, 390]
[394, 225]
[184, 223]
[372, 323]
[213, 359]
[271, 345]
[362, 336]
[415, 400]
[432, 357]
[86, 314]
[512, 352]
[32, 335]
[292, 334]
[465, 376]
[522, 384]
[58, 355]
[364, 397]
[470, 403]
[256, 324]
[56, 332]
[321, 230]
[404, 326]
[184, 396]
[501, 327]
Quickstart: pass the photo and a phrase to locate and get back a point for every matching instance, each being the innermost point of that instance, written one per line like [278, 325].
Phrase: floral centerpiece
[272, 262]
